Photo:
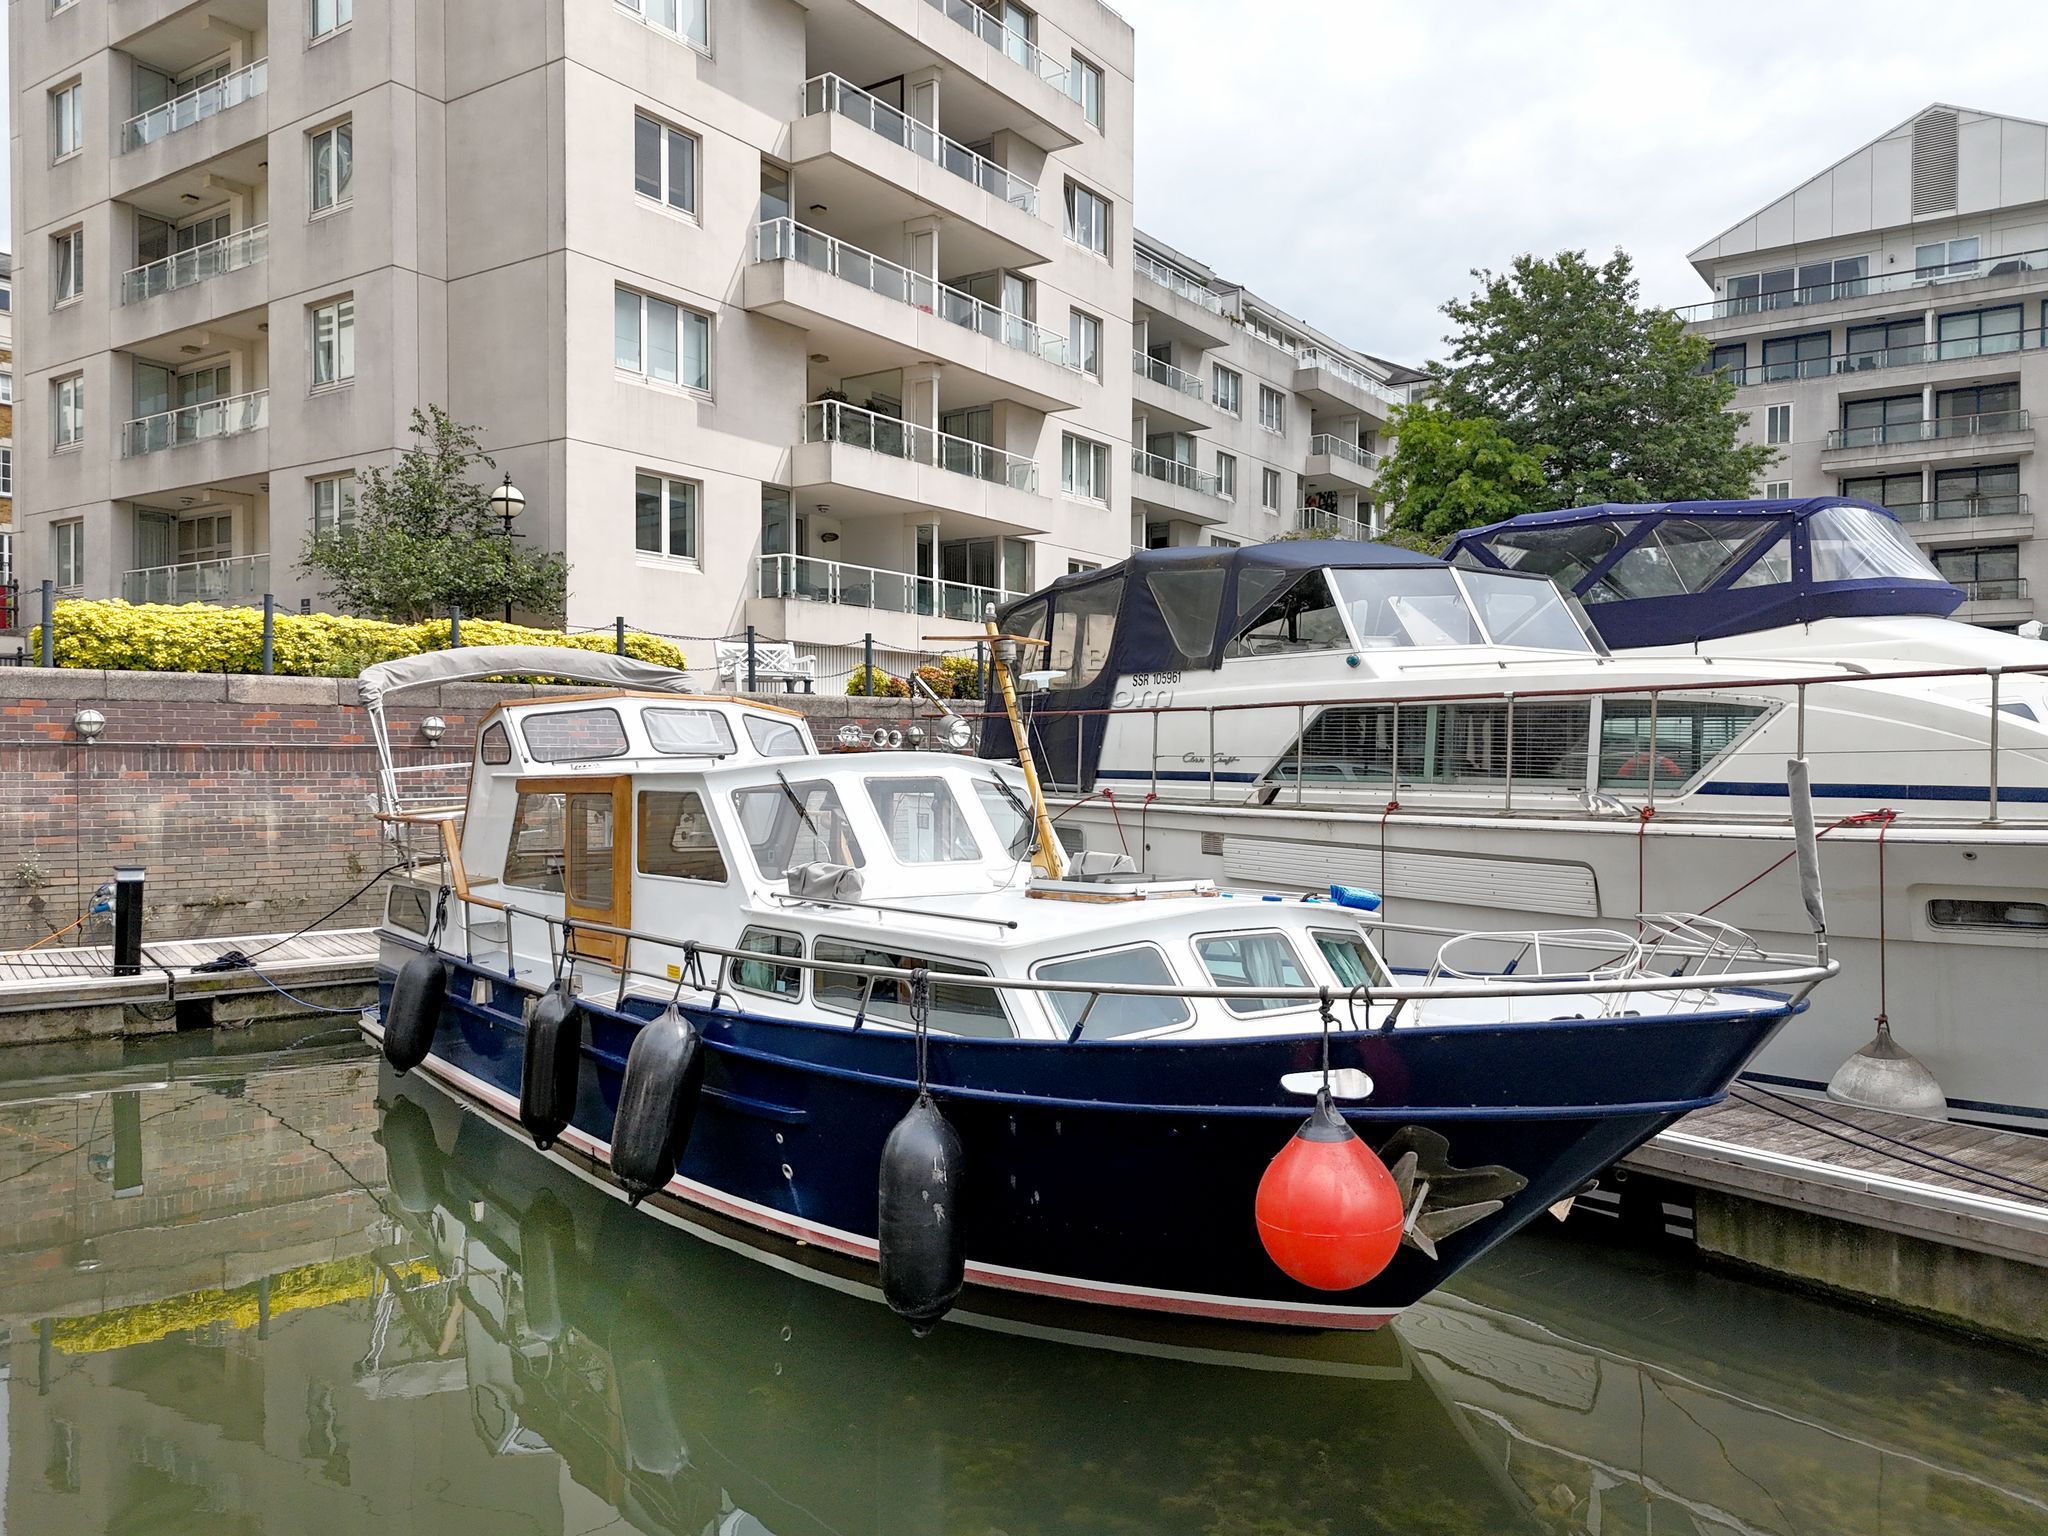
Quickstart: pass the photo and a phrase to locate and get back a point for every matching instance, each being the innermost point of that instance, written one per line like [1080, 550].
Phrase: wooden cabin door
[597, 860]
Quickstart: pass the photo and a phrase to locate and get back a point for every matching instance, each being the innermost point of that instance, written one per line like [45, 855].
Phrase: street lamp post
[507, 502]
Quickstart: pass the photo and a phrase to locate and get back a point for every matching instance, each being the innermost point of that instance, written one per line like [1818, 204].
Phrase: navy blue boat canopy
[1672, 573]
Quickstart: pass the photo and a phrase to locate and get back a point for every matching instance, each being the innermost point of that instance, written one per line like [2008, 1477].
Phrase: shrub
[938, 679]
[877, 684]
[966, 676]
[197, 637]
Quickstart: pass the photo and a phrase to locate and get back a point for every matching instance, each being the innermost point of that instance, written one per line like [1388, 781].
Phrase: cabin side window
[788, 824]
[1106, 1016]
[1349, 958]
[955, 1009]
[407, 907]
[495, 747]
[534, 856]
[1252, 961]
[924, 821]
[1303, 618]
[677, 840]
[1689, 736]
[1461, 743]
[573, 735]
[775, 738]
[764, 977]
[689, 732]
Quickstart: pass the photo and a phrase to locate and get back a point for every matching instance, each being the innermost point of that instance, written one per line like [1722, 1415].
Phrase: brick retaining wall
[246, 798]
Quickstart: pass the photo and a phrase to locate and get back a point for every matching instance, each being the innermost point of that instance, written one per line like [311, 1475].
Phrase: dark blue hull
[1123, 1173]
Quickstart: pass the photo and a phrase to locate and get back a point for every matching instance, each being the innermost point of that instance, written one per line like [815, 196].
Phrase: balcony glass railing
[214, 259]
[829, 93]
[1955, 348]
[1156, 466]
[2010, 266]
[805, 578]
[1342, 448]
[1962, 508]
[242, 579]
[1015, 45]
[1165, 373]
[2006, 589]
[228, 417]
[1351, 374]
[1927, 431]
[787, 240]
[195, 106]
[834, 421]
[1186, 287]
[1330, 525]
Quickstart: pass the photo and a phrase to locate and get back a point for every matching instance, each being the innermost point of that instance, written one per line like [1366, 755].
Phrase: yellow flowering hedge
[311, 1285]
[198, 637]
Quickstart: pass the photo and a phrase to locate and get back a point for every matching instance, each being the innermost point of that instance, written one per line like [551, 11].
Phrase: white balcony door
[156, 539]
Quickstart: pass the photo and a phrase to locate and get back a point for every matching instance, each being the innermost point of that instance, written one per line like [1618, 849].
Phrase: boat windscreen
[1405, 606]
[1521, 610]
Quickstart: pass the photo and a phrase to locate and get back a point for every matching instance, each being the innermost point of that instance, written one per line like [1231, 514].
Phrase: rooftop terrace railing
[2014, 266]
[1186, 287]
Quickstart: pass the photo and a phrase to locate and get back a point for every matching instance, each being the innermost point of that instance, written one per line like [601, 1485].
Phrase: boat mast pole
[1002, 649]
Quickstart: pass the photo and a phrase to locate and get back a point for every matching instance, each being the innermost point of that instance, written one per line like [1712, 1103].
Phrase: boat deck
[57, 993]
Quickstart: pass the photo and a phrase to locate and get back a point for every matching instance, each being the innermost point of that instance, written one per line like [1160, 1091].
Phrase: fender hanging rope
[920, 1020]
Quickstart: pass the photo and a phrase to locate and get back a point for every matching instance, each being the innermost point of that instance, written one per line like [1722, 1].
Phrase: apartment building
[1247, 424]
[10, 603]
[1884, 325]
[808, 317]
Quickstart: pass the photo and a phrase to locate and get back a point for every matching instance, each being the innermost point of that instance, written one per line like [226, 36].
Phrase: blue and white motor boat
[1117, 1059]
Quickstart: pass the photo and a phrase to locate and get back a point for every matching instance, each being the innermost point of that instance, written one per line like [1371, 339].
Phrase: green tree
[1563, 353]
[1449, 472]
[424, 538]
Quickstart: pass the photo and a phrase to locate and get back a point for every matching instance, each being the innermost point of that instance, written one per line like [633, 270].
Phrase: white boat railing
[829, 93]
[196, 106]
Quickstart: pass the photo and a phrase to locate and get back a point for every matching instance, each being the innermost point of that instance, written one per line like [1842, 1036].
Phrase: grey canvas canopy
[602, 667]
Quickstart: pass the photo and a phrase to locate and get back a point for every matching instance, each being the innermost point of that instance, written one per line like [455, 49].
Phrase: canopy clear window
[1566, 555]
[1679, 556]
[1858, 544]
[1427, 606]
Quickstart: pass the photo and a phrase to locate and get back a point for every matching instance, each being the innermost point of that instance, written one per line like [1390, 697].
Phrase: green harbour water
[277, 1290]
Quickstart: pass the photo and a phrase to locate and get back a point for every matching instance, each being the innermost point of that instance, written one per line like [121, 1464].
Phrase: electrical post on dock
[128, 888]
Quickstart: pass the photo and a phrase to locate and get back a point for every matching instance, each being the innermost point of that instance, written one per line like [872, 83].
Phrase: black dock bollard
[867, 664]
[619, 634]
[128, 886]
[49, 623]
[269, 634]
[750, 658]
[454, 627]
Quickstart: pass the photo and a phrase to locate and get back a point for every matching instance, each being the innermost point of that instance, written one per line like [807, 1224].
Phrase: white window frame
[1079, 321]
[1075, 190]
[67, 548]
[669, 133]
[1777, 490]
[1226, 475]
[67, 120]
[1082, 70]
[342, 12]
[1072, 449]
[691, 24]
[71, 265]
[340, 313]
[6, 386]
[6, 470]
[1272, 410]
[686, 316]
[1774, 434]
[1235, 405]
[1271, 488]
[343, 194]
[694, 523]
[340, 515]
[1922, 270]
[67, 405]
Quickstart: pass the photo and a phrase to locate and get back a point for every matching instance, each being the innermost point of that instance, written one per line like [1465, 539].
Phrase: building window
[333, 161]
[1777, 490]
[1087, 219]
[1985, 572]
[334, 505]
[1084, 342]
[664, 163]
[1979, 332]
[1226, 389]
[332, 15]
[334, 342]
[1084, 83]
[6, 471]
[1084, 468]
[1980, 408]
[1732, 357]
[661, 341]
[1797, 357]
[1272, 409]
[67, 554]
[67, 410]
[1777, 423]
[689, 20]
[67, 120]
[1269, 489]
[1226, 476]
[67, 266]
[1945, 259]
[1810, 283]
[6, 386]
[665, 517]
[1886, 345]
[1981, 490]
[1892, 492]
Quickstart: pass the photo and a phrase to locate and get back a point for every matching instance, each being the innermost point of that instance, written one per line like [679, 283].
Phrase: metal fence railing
[829, 93]
[835, 421]
[196, 106]
[216, 258]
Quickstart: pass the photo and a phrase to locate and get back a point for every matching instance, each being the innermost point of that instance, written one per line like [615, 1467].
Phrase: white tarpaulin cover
[602, 667]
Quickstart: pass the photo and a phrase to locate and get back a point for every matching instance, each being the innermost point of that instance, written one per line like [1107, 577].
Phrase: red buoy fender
[1328, 1211]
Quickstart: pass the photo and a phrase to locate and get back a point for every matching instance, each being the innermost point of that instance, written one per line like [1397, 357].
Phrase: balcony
[2000, 600]
[1945, 437]
[1181, 309]
[805, 578]
[870, 314]
[1172, 398]
[201, 264]
[237, 582]
[1323, 524]
[195, 107]
[1961, 349]
[1984, 275]
[1012, 45]
[874, 162]
[1962, 510]
[863, 463]
[1178, 489]
[229, 417]
[1336, 383]
[1331, 457]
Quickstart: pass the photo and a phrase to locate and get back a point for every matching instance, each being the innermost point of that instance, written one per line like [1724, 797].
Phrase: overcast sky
[1351, 162]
